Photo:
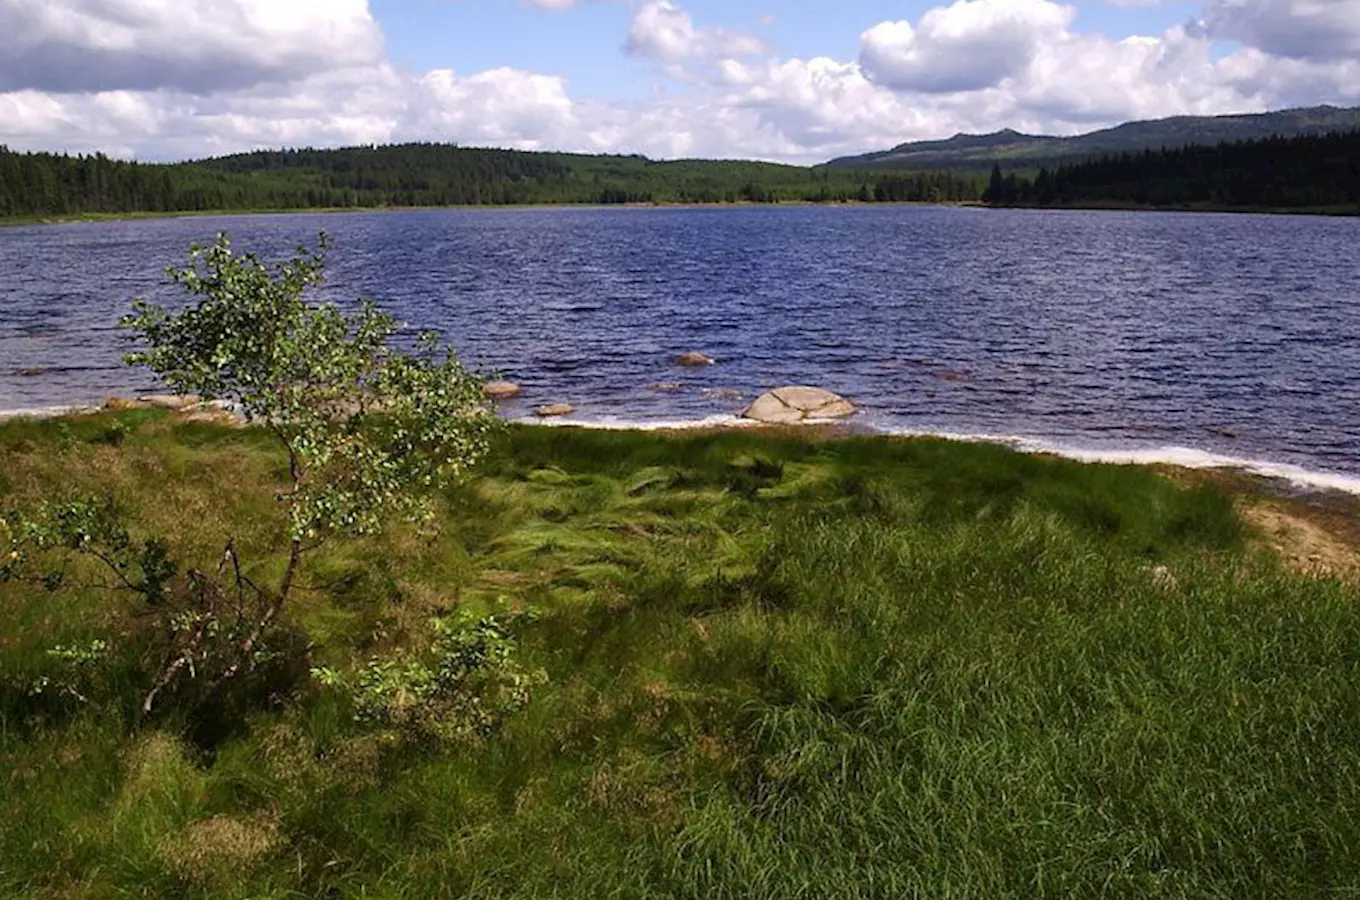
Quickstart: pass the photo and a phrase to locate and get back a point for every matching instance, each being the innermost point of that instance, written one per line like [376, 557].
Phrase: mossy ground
[779, 667]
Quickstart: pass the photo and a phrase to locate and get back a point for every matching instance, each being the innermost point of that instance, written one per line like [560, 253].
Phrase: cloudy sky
[795, 80]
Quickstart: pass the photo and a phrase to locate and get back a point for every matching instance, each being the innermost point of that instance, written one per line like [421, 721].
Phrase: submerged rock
[694, 358]
[666, 387]
[501, 390]
[554, 409]
[798, 403]
[32, 373]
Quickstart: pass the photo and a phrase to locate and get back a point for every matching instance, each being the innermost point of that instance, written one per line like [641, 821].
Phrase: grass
[779, 666]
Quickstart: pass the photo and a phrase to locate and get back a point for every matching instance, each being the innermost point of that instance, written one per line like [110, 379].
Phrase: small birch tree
[372, 431]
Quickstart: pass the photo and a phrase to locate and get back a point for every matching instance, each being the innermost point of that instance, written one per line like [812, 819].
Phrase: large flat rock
[798, 403]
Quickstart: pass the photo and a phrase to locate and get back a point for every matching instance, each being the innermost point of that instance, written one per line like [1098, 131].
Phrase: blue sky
[584, 43]
[792, 81]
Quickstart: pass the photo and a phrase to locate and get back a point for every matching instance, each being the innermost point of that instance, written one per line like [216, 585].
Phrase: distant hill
[39, 185]
[1016, 150]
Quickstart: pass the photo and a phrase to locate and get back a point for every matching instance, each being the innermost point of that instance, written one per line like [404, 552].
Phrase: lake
[1104, 334]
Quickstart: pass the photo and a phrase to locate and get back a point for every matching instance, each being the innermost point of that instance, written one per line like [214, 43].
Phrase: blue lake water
[1115, 333]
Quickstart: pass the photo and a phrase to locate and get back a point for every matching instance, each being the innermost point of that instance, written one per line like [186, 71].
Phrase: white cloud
[1297, 29]
[975, 65]
[70, 46]
[663, 31]
[501, 107]
[970, 45]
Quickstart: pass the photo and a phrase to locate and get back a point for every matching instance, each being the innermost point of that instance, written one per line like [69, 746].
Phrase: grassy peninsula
[774, 665]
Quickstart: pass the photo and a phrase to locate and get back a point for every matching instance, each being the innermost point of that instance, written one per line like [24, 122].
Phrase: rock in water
[555, 409]
[796, 404]
[501, 390]
[693, 358]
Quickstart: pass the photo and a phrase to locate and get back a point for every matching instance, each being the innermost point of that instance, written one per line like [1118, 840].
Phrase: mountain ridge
[1015, 149]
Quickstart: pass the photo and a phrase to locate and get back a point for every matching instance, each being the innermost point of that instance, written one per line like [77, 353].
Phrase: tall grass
[779, 667]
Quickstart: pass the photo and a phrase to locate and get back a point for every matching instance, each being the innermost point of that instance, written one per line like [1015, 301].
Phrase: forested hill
[43, 184]
[1028, 151]
[1305, 173]
[1314, 172]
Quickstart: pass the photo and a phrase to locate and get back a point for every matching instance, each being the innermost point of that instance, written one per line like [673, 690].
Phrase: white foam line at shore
[46, 412]
[1184, 457]
[615, 424]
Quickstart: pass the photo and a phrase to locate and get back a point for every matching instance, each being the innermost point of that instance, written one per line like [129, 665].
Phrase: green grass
[779, 667]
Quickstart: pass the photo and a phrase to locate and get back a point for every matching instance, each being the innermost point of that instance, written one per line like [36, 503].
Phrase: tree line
[1311, 172]
[415, 175]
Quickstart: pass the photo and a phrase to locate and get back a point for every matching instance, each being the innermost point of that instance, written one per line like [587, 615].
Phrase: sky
[789, 80]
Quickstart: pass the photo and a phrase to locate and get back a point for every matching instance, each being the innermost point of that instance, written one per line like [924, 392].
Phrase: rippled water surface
[1238, 335]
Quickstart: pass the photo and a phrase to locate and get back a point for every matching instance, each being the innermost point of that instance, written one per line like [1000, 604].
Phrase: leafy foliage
[463, 687]
[75, 668]
[371, 431]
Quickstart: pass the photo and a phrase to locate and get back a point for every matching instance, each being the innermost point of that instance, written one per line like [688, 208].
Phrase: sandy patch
[1303, 538]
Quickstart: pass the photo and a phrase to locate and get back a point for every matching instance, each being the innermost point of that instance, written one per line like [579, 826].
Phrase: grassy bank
[778, 666]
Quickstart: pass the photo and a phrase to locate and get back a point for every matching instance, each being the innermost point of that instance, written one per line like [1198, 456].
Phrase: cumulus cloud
[970, 45]
[973, 65]
[69, 46]
[663, 31]
[1026, 64]
[502, 107]
[1296, 29]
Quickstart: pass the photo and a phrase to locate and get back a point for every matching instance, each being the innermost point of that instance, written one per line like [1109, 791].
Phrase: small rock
[501, 390]
[796, 404]
[668, 387]
[694, 358]
[1226, 432]
[203, 416]
[32, 373]
[554, 409]
[170, 401]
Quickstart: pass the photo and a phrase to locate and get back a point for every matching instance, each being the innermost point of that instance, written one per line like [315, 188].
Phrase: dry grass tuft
[218, 848]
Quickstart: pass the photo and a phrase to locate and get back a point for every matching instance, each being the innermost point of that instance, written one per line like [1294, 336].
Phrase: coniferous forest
[1305, 173]
[44, 184]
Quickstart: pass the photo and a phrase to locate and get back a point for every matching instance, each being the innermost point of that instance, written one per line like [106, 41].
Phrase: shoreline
[1300, 478]
[96, 218]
